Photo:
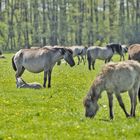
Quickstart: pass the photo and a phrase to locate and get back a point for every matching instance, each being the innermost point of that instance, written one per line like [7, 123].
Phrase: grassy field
[58, 113]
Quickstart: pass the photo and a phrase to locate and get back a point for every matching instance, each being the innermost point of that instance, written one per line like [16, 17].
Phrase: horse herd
[114, 78]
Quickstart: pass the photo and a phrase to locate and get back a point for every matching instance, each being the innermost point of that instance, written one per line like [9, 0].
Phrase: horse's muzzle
[89, 115]
[72, 64]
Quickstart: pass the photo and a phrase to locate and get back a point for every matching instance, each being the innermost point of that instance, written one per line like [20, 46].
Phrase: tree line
[25, 23]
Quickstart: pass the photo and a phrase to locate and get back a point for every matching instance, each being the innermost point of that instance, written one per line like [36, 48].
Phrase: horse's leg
[133, 99]
[45, 79]
[135, 103]
[82, 59]
[122, 55]
[18, 74]
[78, 60]
[19, 71]
[110, 99]
[120, 58]
[93, 63]
[49, 78]
[105, 60]
[89, 62]
[119, 98]
[59, 62]
[109, 59]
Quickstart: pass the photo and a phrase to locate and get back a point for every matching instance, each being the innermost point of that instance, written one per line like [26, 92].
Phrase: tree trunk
[112, 18]
[90, 34]
[26, 32]
[96, 18]
[122, 21]
[62, 23]
[44, 23]
[104, 9]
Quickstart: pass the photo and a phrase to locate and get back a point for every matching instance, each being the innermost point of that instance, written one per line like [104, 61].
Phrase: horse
[40, 59]
[83, 54]
[115, 78]
[96, 52]
[22, 84]
[134, 52]
[79, 52]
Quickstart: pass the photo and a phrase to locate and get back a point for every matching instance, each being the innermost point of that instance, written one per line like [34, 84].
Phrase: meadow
[58, 113]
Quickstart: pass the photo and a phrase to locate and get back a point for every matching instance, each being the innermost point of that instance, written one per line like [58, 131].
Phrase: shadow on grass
[106, 120]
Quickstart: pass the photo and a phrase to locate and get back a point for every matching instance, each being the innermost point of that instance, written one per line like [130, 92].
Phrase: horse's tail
[139, 94]
[13, 63]
[89, 60]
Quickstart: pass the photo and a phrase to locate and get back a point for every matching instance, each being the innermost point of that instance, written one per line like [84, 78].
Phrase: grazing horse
[96, 52]
[115, 78]
[134, 52]
[79, 51]
[40, 59]
[117, 48]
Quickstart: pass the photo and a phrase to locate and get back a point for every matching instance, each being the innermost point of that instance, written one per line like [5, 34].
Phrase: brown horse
[134, 52]
[115, 78]
[40, 59]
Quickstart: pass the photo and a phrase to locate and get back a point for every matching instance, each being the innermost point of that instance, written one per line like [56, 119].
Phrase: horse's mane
[115, 47]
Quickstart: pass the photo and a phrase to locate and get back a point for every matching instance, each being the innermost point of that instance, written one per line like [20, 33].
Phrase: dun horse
[134, 52]
[80, 52]
[103, 53]
[115, 78]
[40, 59]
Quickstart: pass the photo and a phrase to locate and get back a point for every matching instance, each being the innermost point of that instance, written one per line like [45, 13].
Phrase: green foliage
[3, 34]
[68, 22]
[58, 113]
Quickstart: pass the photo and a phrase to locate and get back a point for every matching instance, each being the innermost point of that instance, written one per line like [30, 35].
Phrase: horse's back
[34, 60]
[100, 52]
[134, 52]
[123, 75]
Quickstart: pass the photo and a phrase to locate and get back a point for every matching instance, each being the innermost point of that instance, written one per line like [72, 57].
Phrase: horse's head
[68, 56]
[91, 107]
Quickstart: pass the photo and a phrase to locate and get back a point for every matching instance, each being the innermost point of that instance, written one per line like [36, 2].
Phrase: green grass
[58, 113]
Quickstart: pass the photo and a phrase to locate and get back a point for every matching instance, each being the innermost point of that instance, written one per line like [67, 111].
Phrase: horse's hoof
[111, 117]
[129, 116]
[49, 86]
